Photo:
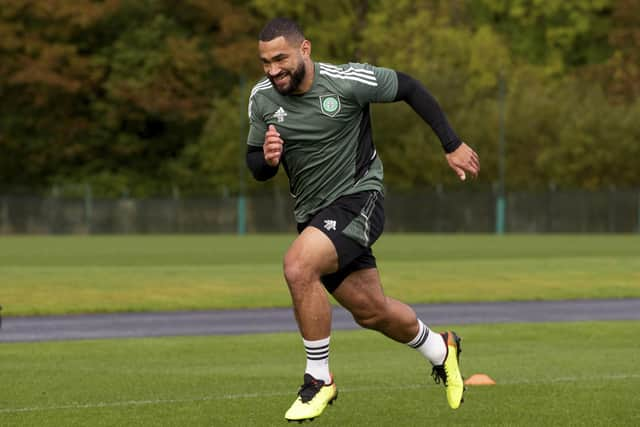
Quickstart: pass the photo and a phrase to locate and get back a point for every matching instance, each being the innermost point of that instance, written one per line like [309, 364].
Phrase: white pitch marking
[287, 393]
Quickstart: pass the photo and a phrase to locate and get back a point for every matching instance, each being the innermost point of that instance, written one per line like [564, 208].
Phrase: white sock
[318, 359]
[430, 344]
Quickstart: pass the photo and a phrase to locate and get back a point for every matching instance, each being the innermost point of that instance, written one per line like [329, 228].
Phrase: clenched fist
[273, 146]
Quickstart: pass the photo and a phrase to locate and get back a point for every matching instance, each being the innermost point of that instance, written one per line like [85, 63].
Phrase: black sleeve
[258, 166]
[416, 95]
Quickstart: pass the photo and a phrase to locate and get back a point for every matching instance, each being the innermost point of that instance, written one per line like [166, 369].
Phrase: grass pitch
[585, 373]
[75, 274]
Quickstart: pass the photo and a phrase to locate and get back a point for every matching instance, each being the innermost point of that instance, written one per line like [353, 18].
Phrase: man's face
[283, 64]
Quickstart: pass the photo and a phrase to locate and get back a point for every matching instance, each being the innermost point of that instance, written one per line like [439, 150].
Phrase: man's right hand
[273, 146]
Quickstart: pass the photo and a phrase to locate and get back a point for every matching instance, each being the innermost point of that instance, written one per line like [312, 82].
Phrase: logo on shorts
[330, 224]
[330, 105]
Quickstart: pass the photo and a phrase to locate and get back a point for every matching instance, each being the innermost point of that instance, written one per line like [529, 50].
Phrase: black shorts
[353, 223]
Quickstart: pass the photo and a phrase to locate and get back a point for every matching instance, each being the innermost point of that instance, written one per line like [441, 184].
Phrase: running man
[313, 118]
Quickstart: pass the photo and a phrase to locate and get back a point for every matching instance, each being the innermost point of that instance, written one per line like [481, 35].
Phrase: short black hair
[282, 27]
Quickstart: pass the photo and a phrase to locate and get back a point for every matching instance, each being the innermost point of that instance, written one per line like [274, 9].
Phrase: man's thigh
[312, 251]
[361, 292]
[352, 223]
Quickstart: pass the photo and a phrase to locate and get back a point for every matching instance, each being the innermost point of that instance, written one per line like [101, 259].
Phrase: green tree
[335, 27]
[460, 66]
[143, 96]
[554, 33]
[112, 93]
[46, 83]
[621, 72]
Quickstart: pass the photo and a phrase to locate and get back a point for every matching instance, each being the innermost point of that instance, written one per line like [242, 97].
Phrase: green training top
[328, 148]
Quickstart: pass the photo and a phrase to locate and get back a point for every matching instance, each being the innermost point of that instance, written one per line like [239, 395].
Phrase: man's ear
[305, 48]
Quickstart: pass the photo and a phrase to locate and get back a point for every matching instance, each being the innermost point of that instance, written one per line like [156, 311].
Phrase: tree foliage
[149, 96]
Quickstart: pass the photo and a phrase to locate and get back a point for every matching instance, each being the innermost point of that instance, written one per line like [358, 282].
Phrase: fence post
[501, 205]
[52, 210]
[242, 215]
[242, 170]
[500, 201]
[638, 221]
[549, 219]
[177, 209]
[88, 207]
[4, 216]
[611, 212]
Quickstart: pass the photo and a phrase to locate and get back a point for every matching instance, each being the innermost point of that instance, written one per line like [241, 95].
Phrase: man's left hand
[464, 159]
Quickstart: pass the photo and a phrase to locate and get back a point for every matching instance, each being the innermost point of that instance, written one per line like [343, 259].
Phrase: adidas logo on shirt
[280, 114]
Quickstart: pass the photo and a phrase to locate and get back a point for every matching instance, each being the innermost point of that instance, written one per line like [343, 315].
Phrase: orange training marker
[479, 379]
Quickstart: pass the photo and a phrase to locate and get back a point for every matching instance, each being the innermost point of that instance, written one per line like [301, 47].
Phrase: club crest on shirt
[330, 104]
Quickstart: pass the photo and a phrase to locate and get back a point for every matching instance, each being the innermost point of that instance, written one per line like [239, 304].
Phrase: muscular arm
[416, 95]
[257, 164]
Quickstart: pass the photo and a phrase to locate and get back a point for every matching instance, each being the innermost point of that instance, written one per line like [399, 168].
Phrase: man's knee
[310, 256]
[295, 272]
[299, 272]
[374, 316]
[373, 321]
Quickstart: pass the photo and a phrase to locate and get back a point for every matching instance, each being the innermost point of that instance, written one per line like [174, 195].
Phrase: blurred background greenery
[148, 97]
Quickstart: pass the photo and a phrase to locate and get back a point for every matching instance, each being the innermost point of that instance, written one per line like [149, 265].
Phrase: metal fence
[441, 212]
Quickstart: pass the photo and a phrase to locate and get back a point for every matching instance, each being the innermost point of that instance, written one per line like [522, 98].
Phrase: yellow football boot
[313, 398]
[449, 371]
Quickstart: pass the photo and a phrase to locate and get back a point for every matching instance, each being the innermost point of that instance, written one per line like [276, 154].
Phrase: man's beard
[295, 79]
